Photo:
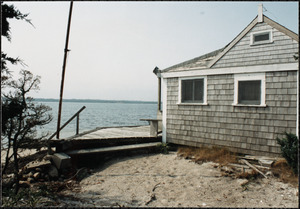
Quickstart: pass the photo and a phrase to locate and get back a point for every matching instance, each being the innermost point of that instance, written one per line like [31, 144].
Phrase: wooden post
[63, 71]
[77, 125]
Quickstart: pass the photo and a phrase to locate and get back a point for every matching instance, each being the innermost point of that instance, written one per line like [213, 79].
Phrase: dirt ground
[157, 180]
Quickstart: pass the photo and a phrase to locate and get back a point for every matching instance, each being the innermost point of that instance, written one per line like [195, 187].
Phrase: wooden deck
[107, 140]
[115, 133]
[113, 149]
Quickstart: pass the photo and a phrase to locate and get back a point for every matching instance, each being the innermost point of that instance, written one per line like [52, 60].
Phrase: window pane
[198, 87]
[261, 37]
[187, 90]
[249, 92]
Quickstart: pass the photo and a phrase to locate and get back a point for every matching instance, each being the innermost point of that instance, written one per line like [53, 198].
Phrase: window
[263, 37]
[249, 89]
[249, 92]
[192, 91]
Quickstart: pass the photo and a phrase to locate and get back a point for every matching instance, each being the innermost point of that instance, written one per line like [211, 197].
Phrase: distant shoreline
[94, 101]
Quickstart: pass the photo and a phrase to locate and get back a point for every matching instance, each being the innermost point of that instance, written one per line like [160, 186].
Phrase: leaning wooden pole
[63, 71]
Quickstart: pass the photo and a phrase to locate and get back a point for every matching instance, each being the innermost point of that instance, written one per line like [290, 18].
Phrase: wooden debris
[157, 185]
[253, 167]
[247, 167]
[153, 197]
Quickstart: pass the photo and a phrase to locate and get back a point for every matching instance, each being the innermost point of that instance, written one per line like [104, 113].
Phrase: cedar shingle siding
[250, 130]
[243, 129]
[242, 54]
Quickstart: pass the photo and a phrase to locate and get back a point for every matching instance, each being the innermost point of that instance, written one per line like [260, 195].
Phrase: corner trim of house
[297, 121]
[164, 113]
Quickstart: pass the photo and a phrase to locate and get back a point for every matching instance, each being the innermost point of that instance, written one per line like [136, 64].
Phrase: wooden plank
[115, 132]
[253, 167]
[112, 149]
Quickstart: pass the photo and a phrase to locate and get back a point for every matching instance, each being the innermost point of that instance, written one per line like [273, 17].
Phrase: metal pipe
[63, 71]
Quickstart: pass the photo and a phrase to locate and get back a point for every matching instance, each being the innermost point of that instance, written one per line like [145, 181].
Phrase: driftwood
[245, 166]
[253, 167]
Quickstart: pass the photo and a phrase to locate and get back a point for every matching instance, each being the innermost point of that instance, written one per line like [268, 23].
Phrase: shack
[242, 96]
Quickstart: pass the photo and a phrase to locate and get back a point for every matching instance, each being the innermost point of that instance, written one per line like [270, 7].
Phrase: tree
[22, 117]
[9, 12]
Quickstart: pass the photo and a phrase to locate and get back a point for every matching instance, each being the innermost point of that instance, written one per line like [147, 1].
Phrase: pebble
[36, 175]
[242, 182]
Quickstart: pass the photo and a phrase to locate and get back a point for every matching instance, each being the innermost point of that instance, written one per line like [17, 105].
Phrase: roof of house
[208, 60]
[197, 62]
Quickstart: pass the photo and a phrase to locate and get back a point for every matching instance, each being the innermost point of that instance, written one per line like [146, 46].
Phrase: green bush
[289, 150]
[163, 148]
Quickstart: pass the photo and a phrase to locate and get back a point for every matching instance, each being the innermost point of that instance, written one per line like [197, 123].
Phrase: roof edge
[234, 41]
[281, 28]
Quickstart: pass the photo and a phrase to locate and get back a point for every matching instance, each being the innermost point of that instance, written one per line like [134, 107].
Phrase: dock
[107, 139]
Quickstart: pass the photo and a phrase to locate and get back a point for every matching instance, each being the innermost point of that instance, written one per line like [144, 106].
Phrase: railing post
[77, 125]
[75, 115]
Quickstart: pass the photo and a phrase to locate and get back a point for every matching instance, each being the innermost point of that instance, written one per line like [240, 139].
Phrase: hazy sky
[116, 45]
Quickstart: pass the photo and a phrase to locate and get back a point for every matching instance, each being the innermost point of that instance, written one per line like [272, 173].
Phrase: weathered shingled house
[241, 97]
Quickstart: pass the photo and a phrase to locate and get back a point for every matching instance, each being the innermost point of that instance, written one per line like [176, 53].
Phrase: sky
[114, 46]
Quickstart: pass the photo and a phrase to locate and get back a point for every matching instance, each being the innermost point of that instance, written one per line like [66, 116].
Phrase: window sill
[193, 104]
[248, 105]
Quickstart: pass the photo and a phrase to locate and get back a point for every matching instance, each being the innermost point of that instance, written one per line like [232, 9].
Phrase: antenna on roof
[260, 13]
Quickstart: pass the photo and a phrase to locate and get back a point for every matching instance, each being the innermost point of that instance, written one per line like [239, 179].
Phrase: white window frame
[250, 77]
[204, 91]
[253, 43]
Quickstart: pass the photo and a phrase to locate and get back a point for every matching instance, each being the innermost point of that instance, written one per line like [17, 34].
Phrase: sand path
[158, 180]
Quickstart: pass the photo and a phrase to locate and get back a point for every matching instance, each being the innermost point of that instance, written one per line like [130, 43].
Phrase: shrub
[289, 150]
[163, 148]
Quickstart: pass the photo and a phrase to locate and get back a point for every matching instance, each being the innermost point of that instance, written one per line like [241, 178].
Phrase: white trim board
[164, 112]
[232, 70]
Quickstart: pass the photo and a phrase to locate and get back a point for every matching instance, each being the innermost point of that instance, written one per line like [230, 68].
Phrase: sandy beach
[157, 180]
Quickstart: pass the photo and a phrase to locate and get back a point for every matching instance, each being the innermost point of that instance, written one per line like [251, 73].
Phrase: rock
[36, 175]
[38, 164]
[227, 169]
[269, 173]
[242, 182]
[53, 172]
[38, 169]
[30, 174]
[30, 180]
[24, 184]
[47, 157]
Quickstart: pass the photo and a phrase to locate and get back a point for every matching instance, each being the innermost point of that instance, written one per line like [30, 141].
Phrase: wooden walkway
[115, 133]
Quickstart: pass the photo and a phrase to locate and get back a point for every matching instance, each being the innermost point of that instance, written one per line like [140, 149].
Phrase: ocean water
[98, 115]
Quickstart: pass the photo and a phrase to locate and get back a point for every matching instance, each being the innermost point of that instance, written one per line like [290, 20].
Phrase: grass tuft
[205, 154]
[284, 172]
